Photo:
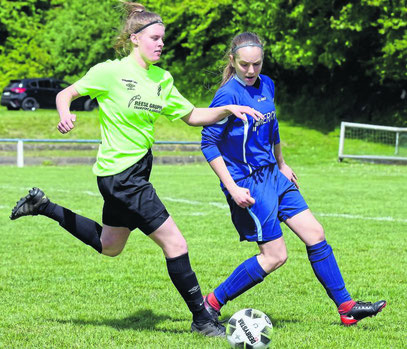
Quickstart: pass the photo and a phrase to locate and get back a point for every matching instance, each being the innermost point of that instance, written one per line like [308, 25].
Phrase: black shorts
[131, 200]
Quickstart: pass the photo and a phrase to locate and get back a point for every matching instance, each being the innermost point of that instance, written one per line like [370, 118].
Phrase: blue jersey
[245, 147]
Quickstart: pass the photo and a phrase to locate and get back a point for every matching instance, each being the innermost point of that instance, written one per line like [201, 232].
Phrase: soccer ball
[249, 328]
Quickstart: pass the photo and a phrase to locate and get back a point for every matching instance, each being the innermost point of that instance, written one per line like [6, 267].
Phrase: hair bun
[132, 8]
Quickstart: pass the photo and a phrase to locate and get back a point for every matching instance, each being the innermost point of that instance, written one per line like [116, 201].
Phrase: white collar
[241, 81]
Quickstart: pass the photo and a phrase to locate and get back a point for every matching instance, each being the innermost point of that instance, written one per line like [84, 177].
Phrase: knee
[281, 258]
[175, 248]
[319, 233]
[273, 261]
[111, 247]
[111, 252]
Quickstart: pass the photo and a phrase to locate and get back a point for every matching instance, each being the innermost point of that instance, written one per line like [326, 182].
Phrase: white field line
[195, 203]
[219, 205]
[350, 216]
[334, 215]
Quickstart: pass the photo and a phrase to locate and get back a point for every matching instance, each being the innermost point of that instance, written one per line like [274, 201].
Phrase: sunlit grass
[58, 293]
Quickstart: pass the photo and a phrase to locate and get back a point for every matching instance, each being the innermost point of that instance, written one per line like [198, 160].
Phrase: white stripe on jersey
[246, 131]
[220, 122]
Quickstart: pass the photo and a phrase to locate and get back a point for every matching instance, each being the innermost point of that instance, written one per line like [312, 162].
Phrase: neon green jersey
[130, 101]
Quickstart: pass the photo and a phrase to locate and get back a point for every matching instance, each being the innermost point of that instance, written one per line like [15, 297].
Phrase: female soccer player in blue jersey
[132, 93]
[261, 189]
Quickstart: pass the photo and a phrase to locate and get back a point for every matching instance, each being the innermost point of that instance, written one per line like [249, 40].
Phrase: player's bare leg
[175, 249]
[273, 254]
[113, 239]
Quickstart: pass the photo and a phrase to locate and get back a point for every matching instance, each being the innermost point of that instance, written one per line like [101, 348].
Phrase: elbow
[194, 118]
[194, 123]
[191, 120]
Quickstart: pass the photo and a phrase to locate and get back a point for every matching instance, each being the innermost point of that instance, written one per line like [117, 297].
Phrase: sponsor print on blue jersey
[245, 146]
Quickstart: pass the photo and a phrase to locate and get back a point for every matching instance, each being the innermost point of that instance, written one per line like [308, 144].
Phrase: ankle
[346, 306]
[47, 208]
[214, 303]
[201, 316]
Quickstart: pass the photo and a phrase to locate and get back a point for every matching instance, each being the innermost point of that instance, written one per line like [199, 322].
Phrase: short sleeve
[95, 82]
[212, 134]
[223, 97]
[175, 105]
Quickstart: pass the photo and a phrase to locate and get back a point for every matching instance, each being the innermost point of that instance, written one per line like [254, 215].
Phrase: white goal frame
[378, 158]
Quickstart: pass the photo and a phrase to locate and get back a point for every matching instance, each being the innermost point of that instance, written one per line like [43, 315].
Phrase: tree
[79, 34]
[21, 54]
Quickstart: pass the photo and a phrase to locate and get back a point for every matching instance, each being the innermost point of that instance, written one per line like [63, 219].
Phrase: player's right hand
[241, 112]
[66, 123]
[242, 197]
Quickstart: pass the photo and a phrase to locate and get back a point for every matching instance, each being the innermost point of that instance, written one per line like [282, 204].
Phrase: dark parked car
[31, 94]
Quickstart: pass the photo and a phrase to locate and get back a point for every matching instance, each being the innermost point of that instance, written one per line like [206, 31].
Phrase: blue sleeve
[212, 134]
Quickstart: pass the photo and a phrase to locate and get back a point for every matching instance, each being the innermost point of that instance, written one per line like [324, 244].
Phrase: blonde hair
[239, 41]
[135, 18]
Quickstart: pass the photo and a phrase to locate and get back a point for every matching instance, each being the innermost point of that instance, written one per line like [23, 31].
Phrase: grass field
[58, 293]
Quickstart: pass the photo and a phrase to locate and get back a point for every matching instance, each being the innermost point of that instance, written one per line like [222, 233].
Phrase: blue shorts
[277, 199]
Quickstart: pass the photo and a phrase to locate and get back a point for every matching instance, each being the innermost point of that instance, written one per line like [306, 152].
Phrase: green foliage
[331, 61]
[336, 60]
[79, 34]
[21, 54]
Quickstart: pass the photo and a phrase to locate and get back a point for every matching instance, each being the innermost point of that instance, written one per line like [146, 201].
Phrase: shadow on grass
[364, 326]
[282, 322]
[142, 320]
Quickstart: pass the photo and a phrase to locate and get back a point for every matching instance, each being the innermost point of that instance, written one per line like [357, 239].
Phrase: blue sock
[327, 271]
[244, 277]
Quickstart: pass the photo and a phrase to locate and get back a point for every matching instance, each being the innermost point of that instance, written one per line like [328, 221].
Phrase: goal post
[372, 142]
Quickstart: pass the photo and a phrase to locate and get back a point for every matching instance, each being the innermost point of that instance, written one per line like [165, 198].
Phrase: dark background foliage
[331, 60]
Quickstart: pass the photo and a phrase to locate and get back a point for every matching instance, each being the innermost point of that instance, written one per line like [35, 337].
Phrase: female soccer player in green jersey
[132, 93]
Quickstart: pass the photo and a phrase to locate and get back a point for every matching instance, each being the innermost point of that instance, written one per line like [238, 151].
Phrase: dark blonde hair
[135, 18]
[241, 40]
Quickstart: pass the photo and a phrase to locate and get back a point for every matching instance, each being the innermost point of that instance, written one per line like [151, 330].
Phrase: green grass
[363, 147]
[58, 293]
[42, 123]
[298, 142]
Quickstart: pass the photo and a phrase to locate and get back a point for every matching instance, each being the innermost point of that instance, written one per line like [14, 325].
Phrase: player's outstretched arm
[240, 195]
[209, 116]
[283, 167]
[63, 101]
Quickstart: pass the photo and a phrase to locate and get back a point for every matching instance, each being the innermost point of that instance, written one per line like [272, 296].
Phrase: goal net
[372, 142]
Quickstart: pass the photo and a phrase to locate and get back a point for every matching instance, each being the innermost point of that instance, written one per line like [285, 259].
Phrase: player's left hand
[289, 173]
[241, 112]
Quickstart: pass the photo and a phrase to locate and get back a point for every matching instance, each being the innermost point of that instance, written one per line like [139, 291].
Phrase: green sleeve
[95, 82]
[176, 106]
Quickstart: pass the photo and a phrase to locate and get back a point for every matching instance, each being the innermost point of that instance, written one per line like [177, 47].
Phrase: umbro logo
[130, 84]
[194, 289]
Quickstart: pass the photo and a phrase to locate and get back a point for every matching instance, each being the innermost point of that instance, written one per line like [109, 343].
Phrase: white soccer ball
[249, 328]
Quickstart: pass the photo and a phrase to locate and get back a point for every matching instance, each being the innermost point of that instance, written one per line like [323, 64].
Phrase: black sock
[85, 229]
[184, 279]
